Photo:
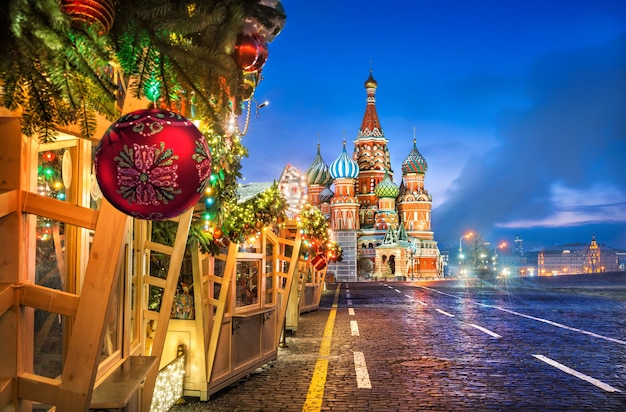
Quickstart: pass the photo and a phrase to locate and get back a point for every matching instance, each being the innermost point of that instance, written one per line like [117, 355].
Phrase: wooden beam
[293, 265]
[79, 370]
[6, 392]
[37, 388]
[51, 300]
[159, 247]
[216, 326]
[59, 210]
[8, 202]
[167, 301]
[154, 281]
[7, 300]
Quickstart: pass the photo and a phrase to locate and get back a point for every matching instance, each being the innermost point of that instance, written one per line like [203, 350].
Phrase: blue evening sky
[519, 107]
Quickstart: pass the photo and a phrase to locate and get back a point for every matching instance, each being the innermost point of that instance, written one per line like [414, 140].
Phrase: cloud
[560, 160]
[574, 207]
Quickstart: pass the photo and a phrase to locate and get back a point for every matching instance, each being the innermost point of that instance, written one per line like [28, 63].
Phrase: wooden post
[79, 371]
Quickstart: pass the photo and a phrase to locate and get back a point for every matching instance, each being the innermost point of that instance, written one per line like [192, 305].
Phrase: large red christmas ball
[250, 53]
[153, 164]
[97, 13]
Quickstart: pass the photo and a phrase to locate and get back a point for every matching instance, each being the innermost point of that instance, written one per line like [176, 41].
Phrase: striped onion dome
[414, 162]
[344, 167]
[318, 173]
[326, 195]
[387, 188]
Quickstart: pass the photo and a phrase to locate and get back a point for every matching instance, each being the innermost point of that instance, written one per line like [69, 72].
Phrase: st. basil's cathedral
[383, 227]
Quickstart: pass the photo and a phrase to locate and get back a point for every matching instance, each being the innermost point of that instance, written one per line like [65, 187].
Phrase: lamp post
[501, 246]
[467, 236]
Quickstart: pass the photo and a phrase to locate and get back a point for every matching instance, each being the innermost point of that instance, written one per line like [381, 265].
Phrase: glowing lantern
[153, 164]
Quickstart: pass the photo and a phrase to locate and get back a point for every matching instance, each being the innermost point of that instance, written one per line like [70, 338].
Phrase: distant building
[580, 258]
[384, 230]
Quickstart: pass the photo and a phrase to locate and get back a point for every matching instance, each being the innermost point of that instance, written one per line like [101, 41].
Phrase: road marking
[315, 394]
[487, 331]
[351, 311]
[350, 302]
[417, 300]
[549, 322]
[577, 374]
[348, 296]
[445, 313]
[362, 377]
[560, 325]
[397, 290]
[354, 327]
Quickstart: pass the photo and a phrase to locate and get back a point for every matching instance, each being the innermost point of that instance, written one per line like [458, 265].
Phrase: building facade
[573, 259]
[384, 229]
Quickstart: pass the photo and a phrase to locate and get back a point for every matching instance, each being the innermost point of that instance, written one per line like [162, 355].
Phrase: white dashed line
[351, 311]
[350, 302]
[417, 300]
[443, 312]
[348, 296]
[354, 328]
[487, 331]
[559, 325]
[577, 374]
[397, 290]
[362, 377]
[549, 322]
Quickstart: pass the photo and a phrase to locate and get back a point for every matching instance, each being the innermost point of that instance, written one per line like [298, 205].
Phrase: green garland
[315, 232]
[179, 54]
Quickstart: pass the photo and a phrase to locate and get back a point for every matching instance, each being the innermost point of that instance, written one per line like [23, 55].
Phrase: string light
[169, 386]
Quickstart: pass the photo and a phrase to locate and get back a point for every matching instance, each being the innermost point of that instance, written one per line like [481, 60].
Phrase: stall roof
[250, 190]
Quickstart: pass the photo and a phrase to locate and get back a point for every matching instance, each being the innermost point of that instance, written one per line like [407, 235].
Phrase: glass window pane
[247, 275]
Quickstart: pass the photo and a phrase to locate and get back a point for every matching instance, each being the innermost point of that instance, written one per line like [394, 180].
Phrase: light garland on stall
[169, 386]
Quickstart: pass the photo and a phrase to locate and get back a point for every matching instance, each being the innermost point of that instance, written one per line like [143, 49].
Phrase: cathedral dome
[370, 82]
[387, 188]
[414, 162]
[318, 173]
[344, 167]
[326, 195]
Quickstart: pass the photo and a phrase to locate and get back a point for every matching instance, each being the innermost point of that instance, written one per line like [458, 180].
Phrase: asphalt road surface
[457, 345]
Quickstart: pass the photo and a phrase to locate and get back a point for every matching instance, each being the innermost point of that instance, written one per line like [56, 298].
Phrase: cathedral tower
[371, 154]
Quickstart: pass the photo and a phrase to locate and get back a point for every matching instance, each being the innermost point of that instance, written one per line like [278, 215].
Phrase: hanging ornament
[251, 25]
[250, 53]
[153, 164]
[250, 81]
[318, 262]
[91, 13]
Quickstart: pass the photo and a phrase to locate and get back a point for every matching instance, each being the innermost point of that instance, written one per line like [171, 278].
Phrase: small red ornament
[222, 241]
[153, 164]
[318, 262]
[250, 52]
[99, 13]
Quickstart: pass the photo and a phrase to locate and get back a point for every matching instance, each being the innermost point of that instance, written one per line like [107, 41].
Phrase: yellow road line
[316, 388]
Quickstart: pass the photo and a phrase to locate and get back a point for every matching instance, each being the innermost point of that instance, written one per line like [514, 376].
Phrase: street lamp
[501, 246]
[467, 236]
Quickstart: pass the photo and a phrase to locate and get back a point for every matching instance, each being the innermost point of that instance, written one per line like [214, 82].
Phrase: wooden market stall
[87, 292]
[306, 294]
[239, 303]
[83, 331]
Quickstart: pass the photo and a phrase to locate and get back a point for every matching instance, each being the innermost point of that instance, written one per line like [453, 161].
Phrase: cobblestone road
[450, 346]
